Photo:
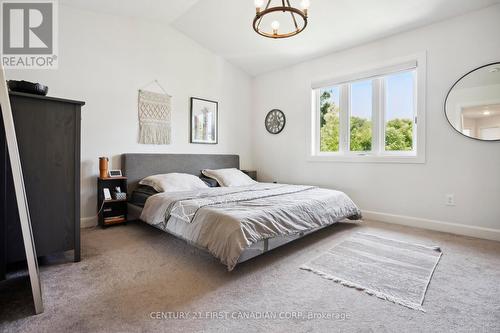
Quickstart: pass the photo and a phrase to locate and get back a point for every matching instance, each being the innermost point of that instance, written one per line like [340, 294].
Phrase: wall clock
[275, 121]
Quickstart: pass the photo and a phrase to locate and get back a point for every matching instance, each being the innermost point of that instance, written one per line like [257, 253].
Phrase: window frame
[417, 63]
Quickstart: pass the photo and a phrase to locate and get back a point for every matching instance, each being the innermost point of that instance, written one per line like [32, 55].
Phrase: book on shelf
[118, 218]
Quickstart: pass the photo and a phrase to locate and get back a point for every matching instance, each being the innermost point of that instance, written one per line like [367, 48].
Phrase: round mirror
[473, 103]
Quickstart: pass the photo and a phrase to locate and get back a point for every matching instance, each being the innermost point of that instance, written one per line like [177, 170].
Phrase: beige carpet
[130, 273]
[389, 269]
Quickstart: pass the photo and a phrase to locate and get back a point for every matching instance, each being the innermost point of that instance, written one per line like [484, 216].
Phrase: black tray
[28, 87]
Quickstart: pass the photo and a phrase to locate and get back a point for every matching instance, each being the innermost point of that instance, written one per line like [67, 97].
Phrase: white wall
[104, 59]
[454, 163]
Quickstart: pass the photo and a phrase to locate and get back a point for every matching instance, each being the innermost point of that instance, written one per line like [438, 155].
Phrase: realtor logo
[29, 34]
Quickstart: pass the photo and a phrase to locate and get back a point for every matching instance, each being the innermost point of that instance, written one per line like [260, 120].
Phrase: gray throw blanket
[186, 209]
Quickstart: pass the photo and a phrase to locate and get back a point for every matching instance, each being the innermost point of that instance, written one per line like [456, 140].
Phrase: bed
[234, 224]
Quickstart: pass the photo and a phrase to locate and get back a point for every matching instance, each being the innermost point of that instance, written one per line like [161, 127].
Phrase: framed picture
[107, 194]
[204, 121]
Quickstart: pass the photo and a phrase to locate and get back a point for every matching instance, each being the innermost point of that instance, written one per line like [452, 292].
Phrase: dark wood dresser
[48, 135]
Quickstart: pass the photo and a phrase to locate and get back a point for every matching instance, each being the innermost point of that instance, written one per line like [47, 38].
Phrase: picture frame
[204, 121]
[107, 194]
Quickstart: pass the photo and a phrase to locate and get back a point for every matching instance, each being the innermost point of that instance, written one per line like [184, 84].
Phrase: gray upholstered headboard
[139, 166]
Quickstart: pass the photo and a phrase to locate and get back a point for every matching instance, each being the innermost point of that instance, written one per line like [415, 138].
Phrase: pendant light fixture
[297, 17]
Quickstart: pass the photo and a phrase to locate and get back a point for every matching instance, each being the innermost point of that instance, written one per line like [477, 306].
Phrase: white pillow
[174, 182]
[229, 177]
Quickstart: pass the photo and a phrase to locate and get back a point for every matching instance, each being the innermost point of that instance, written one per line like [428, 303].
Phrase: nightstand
[112, 211]
[250, 173]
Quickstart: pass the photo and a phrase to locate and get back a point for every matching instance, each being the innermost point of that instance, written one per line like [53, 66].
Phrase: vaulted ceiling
[161, 10]
[224, 26]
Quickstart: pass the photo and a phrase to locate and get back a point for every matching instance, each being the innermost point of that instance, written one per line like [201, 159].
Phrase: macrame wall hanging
[154, 116]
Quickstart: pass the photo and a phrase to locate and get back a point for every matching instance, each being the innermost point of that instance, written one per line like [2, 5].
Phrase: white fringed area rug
[393, 270]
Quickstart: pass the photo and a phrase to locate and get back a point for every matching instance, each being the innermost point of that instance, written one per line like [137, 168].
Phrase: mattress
[141, 194]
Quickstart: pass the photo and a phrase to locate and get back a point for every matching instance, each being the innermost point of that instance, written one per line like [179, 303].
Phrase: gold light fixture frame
[285, 7]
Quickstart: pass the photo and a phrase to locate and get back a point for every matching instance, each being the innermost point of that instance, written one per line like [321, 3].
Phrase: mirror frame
[448, 95]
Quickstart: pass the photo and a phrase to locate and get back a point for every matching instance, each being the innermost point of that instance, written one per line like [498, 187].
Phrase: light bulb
[486, 113]
[275, 25]
[305, 4]
[258, 3]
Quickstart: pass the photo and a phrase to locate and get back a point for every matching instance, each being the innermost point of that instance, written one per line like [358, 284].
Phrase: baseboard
[88, 222]
[453, 228]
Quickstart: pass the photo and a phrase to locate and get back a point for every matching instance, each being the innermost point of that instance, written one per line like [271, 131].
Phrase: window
[329, 119]
[399, 111]
[371, 117]
[360, 118]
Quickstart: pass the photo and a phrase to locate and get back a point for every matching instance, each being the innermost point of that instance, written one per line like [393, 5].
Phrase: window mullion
[415, 111]
[317, 119]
